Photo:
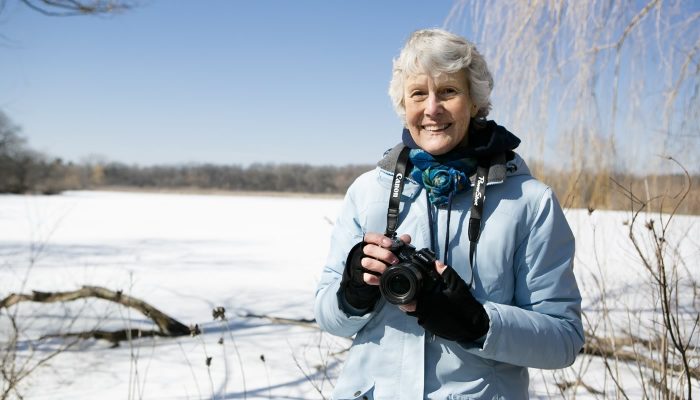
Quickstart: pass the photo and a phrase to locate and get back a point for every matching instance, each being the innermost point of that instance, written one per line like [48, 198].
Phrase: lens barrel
[401, 283]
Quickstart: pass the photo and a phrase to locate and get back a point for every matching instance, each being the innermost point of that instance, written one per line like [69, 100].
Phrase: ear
[474, 110]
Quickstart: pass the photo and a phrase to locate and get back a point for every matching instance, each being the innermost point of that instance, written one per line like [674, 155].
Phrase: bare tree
[23, 169]
[14, 156]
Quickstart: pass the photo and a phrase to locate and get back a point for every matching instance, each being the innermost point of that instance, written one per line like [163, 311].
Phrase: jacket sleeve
[332, 314]
[542, 328]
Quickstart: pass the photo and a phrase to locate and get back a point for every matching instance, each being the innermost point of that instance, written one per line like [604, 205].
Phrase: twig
[305, 322]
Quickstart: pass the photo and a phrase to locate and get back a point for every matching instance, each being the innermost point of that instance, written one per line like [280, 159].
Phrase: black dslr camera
[402, 282]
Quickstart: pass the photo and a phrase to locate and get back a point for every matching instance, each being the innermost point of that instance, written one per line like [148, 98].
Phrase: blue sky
[217, 81]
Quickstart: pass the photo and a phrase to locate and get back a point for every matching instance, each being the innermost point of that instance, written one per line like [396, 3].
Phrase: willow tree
[596, 85]
[600, 87]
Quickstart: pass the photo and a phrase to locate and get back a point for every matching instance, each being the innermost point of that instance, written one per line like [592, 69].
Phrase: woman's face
[438, 110]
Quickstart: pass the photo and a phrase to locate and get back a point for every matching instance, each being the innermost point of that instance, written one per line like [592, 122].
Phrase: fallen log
[167, 325]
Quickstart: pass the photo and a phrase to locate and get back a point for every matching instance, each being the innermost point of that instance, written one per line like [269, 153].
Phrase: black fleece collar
[486, 139]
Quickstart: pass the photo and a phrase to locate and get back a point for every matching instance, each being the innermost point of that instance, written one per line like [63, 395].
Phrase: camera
[415, 272]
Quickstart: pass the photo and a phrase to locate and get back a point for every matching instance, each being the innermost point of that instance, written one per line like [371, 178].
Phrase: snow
[187, 254]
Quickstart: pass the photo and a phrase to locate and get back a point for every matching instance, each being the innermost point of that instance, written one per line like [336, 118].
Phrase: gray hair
[435, 52]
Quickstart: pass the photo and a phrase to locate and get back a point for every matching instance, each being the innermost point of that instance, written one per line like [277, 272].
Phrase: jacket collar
[501, 167]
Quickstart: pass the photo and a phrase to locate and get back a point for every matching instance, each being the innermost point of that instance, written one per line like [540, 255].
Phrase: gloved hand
[353, 287]
[450, 310]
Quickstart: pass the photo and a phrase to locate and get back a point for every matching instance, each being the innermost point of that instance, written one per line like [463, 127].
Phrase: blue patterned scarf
[442, 176]
[446, 175]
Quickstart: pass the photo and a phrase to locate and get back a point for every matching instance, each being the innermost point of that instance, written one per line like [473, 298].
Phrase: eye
[417, 94]
[449, 92]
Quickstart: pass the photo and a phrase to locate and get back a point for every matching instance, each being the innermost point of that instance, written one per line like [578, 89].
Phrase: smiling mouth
[436, 128]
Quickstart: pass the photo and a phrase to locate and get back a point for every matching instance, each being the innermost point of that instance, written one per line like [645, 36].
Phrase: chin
[438, 149]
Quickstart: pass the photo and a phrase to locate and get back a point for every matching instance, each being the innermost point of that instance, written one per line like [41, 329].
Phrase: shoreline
[218, 192]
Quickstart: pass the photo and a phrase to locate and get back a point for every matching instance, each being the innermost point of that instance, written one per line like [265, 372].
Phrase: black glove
[353, 287]
[450, 311]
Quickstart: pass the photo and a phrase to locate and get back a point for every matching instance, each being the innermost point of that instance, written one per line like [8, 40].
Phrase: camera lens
[400, 283]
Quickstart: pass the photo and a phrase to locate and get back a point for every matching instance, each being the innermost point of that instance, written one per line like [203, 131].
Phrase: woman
[504, 297]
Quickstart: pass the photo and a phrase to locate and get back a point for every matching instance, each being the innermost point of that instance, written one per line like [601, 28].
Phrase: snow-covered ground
[187, 254]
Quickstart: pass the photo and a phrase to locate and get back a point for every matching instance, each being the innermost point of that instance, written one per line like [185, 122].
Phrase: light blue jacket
[523, 275]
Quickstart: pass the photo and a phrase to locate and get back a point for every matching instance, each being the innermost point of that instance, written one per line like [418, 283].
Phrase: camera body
[415, 272]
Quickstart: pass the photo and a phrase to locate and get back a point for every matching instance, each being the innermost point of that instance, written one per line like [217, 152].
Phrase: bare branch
[67, 8]
[305, 322]
[111, 336]
[167, 325]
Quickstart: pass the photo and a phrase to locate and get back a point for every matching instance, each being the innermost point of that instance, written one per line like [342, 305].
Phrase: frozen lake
[187, 254]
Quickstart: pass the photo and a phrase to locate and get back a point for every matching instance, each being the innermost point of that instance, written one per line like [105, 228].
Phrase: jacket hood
[501, 167]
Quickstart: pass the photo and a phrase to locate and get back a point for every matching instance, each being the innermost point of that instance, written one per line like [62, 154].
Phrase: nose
[433, 105]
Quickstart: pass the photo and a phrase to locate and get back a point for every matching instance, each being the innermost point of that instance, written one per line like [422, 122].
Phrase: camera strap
[392, 215]
[477, 209]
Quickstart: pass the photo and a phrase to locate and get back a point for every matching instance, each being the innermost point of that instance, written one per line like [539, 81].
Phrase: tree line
[25, 170]
[268, 177]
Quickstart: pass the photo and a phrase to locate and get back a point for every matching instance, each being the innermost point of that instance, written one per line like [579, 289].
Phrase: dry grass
[604, 190]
